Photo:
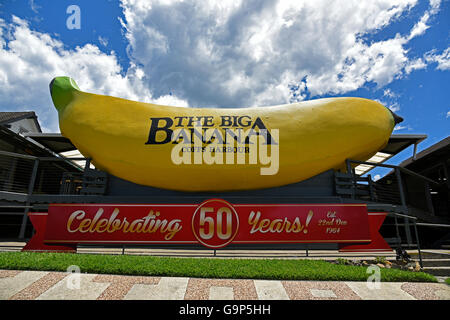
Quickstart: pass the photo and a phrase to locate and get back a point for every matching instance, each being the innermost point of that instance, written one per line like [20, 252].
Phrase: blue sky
[233, 53]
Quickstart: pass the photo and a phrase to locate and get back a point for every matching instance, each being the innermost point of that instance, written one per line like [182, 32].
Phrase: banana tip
[61, 91]
[51, 86]
[397, 118]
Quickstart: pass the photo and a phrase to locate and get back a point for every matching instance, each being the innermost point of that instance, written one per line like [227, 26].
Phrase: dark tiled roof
[7, 117]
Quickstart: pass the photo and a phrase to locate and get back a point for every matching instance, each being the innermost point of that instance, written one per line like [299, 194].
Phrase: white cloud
[399, 127]
[448, 114]
[434, 6]
[394, 107]
[221, 53]
[388, 93]
[34, 7]
[415, 64]
[421, 26]
[103, 41]
[442, 60]
[171, 100]
[29, 60]
[232, 53]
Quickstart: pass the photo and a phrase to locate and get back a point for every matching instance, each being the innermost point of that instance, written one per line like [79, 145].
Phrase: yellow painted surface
[314, 136]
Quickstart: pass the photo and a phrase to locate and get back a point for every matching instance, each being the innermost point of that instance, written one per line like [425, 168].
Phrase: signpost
[214, 223]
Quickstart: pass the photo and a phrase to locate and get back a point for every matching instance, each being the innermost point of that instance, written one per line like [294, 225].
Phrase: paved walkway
[41, 285]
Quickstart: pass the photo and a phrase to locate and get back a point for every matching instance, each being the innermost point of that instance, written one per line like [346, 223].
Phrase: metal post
[428, 198]
[418, 244]
[403, 199]
[371, 192]
[214, 252]
[87, 164]
[415, 151]
[399, 239]
[349, 166]
[446, 173]
[408, 232]
[30, 192]
[400, 186]
[352, 175]
[307, 252]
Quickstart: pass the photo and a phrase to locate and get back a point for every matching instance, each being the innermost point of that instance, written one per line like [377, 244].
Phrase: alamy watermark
[374, 280]
[73, 281]
[229, 147]
[74, 20]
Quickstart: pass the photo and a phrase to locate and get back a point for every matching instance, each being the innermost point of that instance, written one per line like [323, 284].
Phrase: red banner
[378, 243]
[214, 223]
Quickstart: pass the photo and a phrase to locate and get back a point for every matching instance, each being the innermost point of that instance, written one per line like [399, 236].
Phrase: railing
[443, 238]
[408, 223]
[401, 187]
[404, 190]
[41, 175]
[27, 175]
[15, 172]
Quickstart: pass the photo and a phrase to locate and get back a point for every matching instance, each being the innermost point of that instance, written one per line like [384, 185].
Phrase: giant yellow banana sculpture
[158, 146]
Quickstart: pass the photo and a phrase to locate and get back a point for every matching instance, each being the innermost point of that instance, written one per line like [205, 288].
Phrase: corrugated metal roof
[7, 117]
[396, 144]
[440, 149]
[53, 141]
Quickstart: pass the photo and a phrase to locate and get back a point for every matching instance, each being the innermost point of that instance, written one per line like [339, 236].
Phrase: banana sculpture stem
[214, 149]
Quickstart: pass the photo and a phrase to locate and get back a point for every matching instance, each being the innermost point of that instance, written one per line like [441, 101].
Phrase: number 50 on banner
[215, 223]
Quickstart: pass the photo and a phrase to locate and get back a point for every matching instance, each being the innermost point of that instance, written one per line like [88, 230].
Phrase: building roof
[399, 142]
[424, 159]
[396, 144]
[427, 159]
[53, 141]
[29, 147]
[8, 117]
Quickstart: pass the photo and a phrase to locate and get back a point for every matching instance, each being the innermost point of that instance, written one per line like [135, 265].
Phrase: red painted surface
[36, 243]
[378, 244]
[214, 223]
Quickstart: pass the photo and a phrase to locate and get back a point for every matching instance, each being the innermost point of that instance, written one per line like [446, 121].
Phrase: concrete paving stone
[70, 288]
[120, 285]
[9, 286]
[9, 273]
[270, 290]
[319, 290]
[40, 286]
[427, 291]
[386, 291]
[21, 285]
[167, 289]
[319, 293]
[221, 293]
[200, 289]
[443, 294]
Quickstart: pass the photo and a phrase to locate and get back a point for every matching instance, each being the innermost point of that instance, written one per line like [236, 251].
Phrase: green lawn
[201, 267]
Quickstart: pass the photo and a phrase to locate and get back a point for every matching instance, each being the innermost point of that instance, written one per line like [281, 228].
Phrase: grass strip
[274, 269]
